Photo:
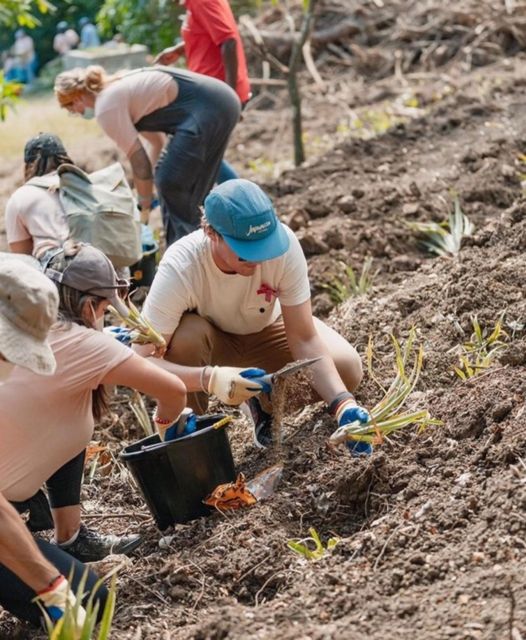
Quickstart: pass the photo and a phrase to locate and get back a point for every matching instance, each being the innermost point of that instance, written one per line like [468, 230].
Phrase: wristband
[52, 584]
[341, 397]
[202, 379]
[151, 200]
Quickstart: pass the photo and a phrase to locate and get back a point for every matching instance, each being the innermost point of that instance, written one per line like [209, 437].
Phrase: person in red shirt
[212, 46]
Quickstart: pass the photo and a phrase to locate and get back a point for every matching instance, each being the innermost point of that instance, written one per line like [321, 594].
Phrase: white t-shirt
[33, 212]
[45, 421]
[189, 280]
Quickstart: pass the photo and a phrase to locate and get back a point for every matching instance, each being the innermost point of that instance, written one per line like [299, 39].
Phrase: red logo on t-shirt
[267, 291]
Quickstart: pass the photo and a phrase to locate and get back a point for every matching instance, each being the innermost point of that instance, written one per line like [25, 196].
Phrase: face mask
[6, 369]
[88, 113]
[98, 323]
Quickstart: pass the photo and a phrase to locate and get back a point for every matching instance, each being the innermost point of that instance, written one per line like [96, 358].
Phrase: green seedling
[311, 548]
[386, 417]
[479, 353]
[445, 238]
[342, 289]
[65, 628]
[142, 330]
[141, 414]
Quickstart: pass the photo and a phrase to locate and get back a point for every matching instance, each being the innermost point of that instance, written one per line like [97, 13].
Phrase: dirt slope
[432, 526]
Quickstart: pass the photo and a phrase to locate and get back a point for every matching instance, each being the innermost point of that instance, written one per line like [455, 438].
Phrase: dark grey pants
[199, 123]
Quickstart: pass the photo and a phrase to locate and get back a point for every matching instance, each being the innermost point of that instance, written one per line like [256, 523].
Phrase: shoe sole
[131, 546]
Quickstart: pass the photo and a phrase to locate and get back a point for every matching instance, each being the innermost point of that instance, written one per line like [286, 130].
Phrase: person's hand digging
[347, 412]
[227, 384]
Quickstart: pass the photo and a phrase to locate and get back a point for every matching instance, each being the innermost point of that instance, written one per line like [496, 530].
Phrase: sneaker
[90, 546]
[262, 423]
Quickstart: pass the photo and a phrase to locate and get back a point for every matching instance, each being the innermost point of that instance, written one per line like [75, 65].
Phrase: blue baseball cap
[245, 218]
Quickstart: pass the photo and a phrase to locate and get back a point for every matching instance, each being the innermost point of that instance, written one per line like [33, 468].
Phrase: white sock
[68, 543]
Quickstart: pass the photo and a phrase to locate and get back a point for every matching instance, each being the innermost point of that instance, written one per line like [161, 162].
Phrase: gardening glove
[227, 384]
[122, 334]
[184, 425]
[57, 597]
[346, 413]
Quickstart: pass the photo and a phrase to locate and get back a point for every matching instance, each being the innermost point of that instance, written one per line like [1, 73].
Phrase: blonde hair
[70, 84]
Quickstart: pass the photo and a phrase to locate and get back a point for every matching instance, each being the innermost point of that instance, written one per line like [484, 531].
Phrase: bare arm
[154, 143]
[229, 56]
[191, 376]
[141, 374]
[22, 246]
[142, 178]
[170, 54]
[304, 342]
[19, 552]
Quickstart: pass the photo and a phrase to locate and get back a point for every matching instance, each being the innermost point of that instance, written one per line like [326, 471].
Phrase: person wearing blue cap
[237, 292]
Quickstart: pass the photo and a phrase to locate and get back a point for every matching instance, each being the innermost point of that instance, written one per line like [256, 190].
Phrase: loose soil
[432, 527]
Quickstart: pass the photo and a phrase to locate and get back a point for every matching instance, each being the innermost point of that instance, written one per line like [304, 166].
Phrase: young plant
[66, 629]
[482, 348]
[141, 414]
[386, 417]
[342, 289]
[445, 238]
[142, 331]
[303, 546]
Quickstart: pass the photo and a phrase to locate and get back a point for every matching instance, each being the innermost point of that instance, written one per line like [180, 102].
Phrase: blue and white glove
[57, 597]
[122, 334]
[346, 412]
[184, 425]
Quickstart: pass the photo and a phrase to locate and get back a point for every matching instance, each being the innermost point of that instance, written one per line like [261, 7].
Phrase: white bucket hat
[28, 309]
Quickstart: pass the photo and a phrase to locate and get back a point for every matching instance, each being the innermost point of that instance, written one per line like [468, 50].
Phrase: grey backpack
[100, 209]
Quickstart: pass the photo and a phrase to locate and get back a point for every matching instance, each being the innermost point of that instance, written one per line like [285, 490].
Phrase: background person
[57, 414]
[34, 219]
[29, 567]
[65, 39]
[237, 292]
[89, 36]
[24, 51]
[196, 112]
[212, 46]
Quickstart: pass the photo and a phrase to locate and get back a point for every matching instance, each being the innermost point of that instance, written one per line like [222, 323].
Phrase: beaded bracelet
[161, 421]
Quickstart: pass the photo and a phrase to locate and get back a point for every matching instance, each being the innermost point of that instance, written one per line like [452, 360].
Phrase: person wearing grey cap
[57, 414]
[28, 567]
[34, 219]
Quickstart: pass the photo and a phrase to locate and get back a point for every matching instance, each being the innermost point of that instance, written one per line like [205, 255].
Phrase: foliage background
[154, 23]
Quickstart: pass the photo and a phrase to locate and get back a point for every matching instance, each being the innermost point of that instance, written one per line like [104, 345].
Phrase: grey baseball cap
[90, 271]
[28, 309]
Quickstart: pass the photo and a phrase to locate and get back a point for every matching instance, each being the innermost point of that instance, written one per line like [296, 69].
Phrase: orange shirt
[208, 24]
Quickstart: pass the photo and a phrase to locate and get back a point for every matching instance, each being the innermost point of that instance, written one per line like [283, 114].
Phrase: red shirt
[207, 25]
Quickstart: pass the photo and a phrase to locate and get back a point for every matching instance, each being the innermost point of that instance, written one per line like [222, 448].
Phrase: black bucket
[143, 272]
[174, 477]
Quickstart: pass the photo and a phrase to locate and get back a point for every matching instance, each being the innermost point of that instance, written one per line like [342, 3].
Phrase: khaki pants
[196, 342]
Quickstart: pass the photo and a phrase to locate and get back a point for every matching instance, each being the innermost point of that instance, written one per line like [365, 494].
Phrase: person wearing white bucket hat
[28, 308]
[28, 567]
[58, 413]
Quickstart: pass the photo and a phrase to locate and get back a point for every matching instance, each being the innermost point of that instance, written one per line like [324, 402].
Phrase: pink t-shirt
[33, 212]
[124, 102]
[45, 421]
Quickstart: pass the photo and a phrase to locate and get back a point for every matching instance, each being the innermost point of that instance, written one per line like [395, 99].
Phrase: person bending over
[32, 568]
[46, 422]
[174, 120]
[236, 292]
